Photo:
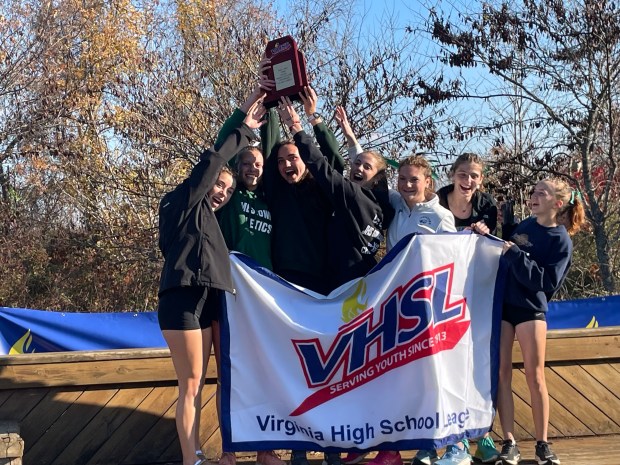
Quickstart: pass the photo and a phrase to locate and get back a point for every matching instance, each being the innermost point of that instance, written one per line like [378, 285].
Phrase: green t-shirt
[245, 222]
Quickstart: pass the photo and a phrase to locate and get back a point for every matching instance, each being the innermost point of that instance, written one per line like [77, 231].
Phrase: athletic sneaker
[333, 458]
[425, 457]
[544, 454]
[387, 458]
[510, 454]
[298, 457]
[354, 457]
[486, 451]
[454, 456]
[268, 457]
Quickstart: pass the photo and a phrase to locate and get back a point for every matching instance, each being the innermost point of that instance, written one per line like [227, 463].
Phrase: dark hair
[467, 157]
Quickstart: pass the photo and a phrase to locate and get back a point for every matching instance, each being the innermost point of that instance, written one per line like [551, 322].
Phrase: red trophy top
[288, 70]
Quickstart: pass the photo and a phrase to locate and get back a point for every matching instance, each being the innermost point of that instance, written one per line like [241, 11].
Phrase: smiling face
[543, 201]
[467, 178]
[363, 169]
[250, 168]
[222, 190]
[412, 184]
[290, 165]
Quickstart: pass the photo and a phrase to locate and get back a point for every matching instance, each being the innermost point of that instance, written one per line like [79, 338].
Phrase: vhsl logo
[417, 320]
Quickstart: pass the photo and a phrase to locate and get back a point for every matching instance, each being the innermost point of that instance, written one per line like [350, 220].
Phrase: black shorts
[185, 308]
[517, 315]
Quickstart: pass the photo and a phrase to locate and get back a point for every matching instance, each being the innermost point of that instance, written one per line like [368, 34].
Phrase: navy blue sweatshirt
[538, 262]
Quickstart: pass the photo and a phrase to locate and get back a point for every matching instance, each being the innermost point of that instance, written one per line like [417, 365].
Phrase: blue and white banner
[24, 331]
[405, 358]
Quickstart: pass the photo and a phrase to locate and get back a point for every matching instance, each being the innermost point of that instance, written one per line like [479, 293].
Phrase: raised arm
[206, 171]
[353, 146]
[331, 181]
[324, 135]
[258, 92]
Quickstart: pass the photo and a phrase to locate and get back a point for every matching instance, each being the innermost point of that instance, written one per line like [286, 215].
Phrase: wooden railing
[117, 407]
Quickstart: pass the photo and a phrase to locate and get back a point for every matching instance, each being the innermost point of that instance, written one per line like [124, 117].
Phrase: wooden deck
[117, 407]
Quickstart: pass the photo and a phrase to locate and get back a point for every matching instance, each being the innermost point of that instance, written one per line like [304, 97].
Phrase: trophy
[288, 70]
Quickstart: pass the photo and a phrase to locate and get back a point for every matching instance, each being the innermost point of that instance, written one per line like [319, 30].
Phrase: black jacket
[190, 239]
[484, 209]
[355, 230]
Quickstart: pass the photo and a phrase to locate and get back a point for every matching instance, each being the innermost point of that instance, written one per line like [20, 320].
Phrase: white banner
[405, 358]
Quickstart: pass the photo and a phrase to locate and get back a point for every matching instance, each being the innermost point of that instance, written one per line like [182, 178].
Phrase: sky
[373, 15]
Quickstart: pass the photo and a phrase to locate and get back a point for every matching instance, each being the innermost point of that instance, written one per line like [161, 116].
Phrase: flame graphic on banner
[353, 306]
[593, 323]
[22, 345]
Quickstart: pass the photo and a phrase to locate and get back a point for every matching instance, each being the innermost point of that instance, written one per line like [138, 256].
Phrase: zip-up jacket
[483, 208]
[190, 239]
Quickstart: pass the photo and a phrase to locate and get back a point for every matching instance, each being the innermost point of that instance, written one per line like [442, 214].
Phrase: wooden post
[11, 444]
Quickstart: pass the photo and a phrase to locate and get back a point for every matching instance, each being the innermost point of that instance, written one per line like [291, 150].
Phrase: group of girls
[291, 209]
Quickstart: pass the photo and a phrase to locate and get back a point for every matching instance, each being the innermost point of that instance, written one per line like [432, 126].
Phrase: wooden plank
[124, 439]
[82, 356]
[4, 395]
[523, 410]
[605, 374]
[568, 349]
[579, 406]
[67, 427]
[593, 388]
[103, 424]
[156, 440]
[47, 412]
[20, 403]
[90, 373]
[209, 422]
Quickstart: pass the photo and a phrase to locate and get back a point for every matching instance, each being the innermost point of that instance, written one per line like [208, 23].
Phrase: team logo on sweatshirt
[522, 239]
[417, 320]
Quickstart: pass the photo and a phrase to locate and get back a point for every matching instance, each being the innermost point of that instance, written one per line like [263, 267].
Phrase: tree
[564, 59]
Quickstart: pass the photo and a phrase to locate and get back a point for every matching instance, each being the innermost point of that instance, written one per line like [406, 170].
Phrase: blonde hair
[226, 169]
[378, 158]
[420, 162]
[571, 213]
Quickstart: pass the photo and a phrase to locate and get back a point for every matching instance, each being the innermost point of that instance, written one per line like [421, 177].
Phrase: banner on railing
[33, 331]
[28, 331]
[360, 368]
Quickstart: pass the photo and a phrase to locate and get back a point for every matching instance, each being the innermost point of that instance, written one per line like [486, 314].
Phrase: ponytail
[572, 214]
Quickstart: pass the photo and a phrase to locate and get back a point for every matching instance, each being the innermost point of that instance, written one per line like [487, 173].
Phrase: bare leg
[186, 350]
[206, 351]
[505, 402]
[532, 337]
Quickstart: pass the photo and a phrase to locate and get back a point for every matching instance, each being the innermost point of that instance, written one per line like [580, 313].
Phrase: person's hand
[507, 245]
[261, 88]
[309, 98]
[343, 122]
[288, 115]
[254, 116]
[481, 228]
